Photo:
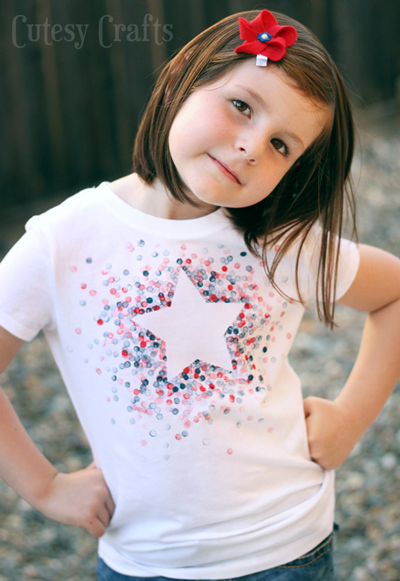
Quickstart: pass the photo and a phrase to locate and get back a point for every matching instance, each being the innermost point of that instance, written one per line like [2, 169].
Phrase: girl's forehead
[251, 75]
[268, 84]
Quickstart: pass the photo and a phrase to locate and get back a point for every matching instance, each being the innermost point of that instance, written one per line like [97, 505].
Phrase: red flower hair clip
[264, 38]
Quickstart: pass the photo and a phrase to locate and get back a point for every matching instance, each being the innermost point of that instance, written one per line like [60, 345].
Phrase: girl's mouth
[223, 168]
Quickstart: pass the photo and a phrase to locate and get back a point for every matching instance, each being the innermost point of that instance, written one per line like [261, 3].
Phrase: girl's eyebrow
[257, 97]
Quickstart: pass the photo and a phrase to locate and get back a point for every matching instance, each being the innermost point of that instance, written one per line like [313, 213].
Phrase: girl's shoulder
[84, 208]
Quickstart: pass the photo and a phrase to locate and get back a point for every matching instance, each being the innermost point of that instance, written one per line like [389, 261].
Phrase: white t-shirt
[174, 348]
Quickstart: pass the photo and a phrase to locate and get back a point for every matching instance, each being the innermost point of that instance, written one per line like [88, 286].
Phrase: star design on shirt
[192, 328]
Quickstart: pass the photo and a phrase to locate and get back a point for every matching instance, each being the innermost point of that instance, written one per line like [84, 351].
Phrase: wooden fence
[75, 75]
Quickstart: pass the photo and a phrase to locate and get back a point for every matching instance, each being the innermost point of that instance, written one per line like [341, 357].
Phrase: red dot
[229, 451]
[100, 322]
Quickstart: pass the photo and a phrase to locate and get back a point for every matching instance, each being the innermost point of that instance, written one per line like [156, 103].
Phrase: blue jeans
[317, 565]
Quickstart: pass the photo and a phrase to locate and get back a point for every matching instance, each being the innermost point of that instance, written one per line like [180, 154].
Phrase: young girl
[170, 299]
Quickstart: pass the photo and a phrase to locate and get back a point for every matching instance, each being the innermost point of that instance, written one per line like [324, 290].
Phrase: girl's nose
[251, 148]
[246, 155]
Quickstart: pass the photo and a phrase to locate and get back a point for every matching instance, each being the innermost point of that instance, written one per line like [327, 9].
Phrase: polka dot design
[135, 359]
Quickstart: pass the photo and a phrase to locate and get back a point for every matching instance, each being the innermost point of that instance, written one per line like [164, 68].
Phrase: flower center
[264, 36]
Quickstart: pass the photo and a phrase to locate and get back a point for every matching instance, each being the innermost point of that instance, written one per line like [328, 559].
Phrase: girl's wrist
[41, 492]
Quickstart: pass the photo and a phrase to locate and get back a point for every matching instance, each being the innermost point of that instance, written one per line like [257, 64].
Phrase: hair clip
[264, 38]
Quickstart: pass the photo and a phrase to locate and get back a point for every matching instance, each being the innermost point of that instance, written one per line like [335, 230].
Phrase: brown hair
[316, 188]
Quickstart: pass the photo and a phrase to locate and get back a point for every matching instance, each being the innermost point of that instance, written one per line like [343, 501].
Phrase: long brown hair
[317, 188]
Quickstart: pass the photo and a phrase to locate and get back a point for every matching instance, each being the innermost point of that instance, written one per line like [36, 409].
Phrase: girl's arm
[79, 499]
[335, 427]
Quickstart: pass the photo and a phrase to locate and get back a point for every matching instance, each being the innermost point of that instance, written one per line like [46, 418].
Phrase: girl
[170, 299]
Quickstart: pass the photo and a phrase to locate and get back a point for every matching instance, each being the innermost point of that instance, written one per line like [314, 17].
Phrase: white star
[192, 328]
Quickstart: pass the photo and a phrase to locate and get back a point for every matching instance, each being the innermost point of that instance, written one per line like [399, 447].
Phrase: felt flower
[264, 36]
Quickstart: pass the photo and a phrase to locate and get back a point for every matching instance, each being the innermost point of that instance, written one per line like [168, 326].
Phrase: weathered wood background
[70, 100]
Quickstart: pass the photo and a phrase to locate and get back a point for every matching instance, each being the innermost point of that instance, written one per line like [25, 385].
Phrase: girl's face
[233, 141]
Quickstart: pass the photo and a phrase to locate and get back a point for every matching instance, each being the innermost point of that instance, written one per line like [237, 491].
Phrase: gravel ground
[368, 491]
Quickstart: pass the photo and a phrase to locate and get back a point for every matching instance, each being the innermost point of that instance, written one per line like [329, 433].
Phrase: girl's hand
[80, 499]
[330, 436]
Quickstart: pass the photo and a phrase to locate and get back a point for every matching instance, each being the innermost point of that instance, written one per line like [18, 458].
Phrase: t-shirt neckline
[162, 226]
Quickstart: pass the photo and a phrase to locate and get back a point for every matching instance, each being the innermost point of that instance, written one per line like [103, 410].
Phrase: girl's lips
[225, 170]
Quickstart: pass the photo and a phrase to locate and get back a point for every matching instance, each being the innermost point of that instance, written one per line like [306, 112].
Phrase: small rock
[389, 461]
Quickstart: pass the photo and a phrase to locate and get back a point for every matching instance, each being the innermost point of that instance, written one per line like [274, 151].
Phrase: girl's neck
[155, 200]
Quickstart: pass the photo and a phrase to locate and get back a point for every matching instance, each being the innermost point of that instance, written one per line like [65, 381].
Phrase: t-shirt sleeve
[26, 287]
[349, 259]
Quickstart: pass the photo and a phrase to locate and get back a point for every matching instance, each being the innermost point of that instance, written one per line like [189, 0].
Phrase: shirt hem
[307, 532]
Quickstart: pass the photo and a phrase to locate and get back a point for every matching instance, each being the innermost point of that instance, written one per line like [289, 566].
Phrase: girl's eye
[280, 146]
[242, 107]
